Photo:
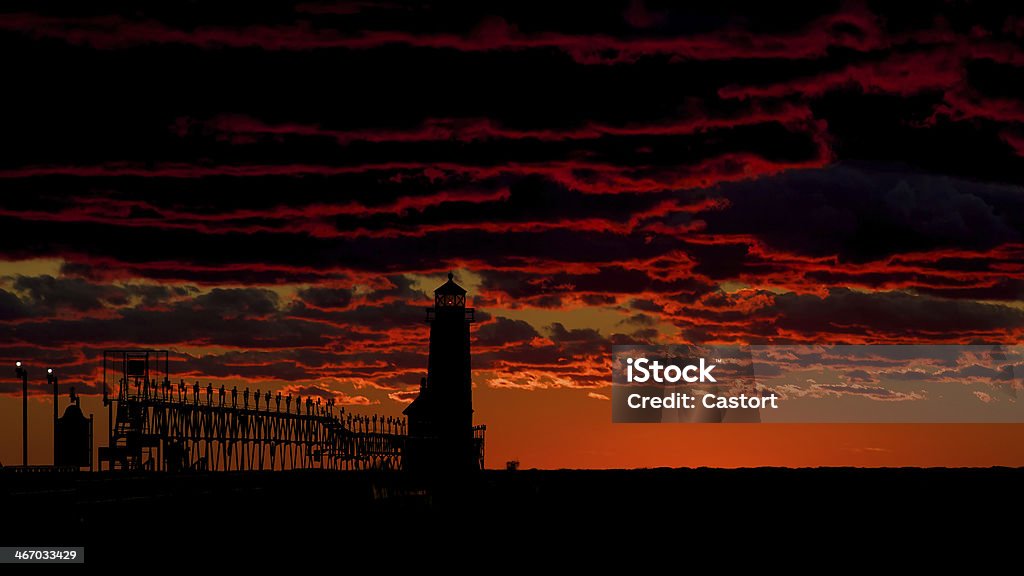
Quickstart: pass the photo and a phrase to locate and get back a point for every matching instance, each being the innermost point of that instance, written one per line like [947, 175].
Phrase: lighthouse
[442, 438]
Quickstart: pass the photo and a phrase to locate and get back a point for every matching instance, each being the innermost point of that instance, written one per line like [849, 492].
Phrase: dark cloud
[370, 318]
[646, 305]
[858, 376]
[46, 294]
[471, 31]
[244, 317]
[249, 365]
[235, 302]
[893, 314]
[503, 331]
[11, 307]
[640, 320]
[607, 282]
[326, 297]
[863, 213]
[398, 289]
[849, 316]
[562, 335]
[643, 335]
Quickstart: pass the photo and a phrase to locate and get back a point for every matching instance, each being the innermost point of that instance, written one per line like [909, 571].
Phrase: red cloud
[480, 129]
[901, 74]
[851, 30]
[588, 177]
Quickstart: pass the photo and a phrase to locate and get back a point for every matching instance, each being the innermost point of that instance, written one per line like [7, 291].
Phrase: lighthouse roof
[450, 287]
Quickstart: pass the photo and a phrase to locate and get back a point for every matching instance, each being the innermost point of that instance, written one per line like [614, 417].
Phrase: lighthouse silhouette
[441, 435]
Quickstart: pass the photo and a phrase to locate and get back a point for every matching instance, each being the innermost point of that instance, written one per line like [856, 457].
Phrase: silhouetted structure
[51, 378]
[154, 428]
[23, 374]
[73, 437]
[72, 434]
[441, 432]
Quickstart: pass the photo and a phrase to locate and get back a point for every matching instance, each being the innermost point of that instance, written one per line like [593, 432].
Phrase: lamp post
[23, 374]
[51, 379]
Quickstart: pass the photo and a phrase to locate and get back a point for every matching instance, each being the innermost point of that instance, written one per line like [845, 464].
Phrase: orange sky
[566, 429]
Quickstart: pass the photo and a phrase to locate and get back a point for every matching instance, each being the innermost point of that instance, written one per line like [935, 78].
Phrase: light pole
[23, 374]
[51, 379]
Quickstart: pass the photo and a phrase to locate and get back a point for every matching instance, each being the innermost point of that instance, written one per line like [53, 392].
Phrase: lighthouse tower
[441, 434]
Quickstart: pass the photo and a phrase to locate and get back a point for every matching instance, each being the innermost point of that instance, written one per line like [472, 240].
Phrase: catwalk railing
[160, 428]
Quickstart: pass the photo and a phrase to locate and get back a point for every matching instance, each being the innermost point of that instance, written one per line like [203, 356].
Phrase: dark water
[499, 517]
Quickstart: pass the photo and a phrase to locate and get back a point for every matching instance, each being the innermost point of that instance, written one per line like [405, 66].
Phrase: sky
[273, 193]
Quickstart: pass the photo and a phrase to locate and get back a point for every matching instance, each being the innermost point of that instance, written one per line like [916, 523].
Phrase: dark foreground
[312, 516]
